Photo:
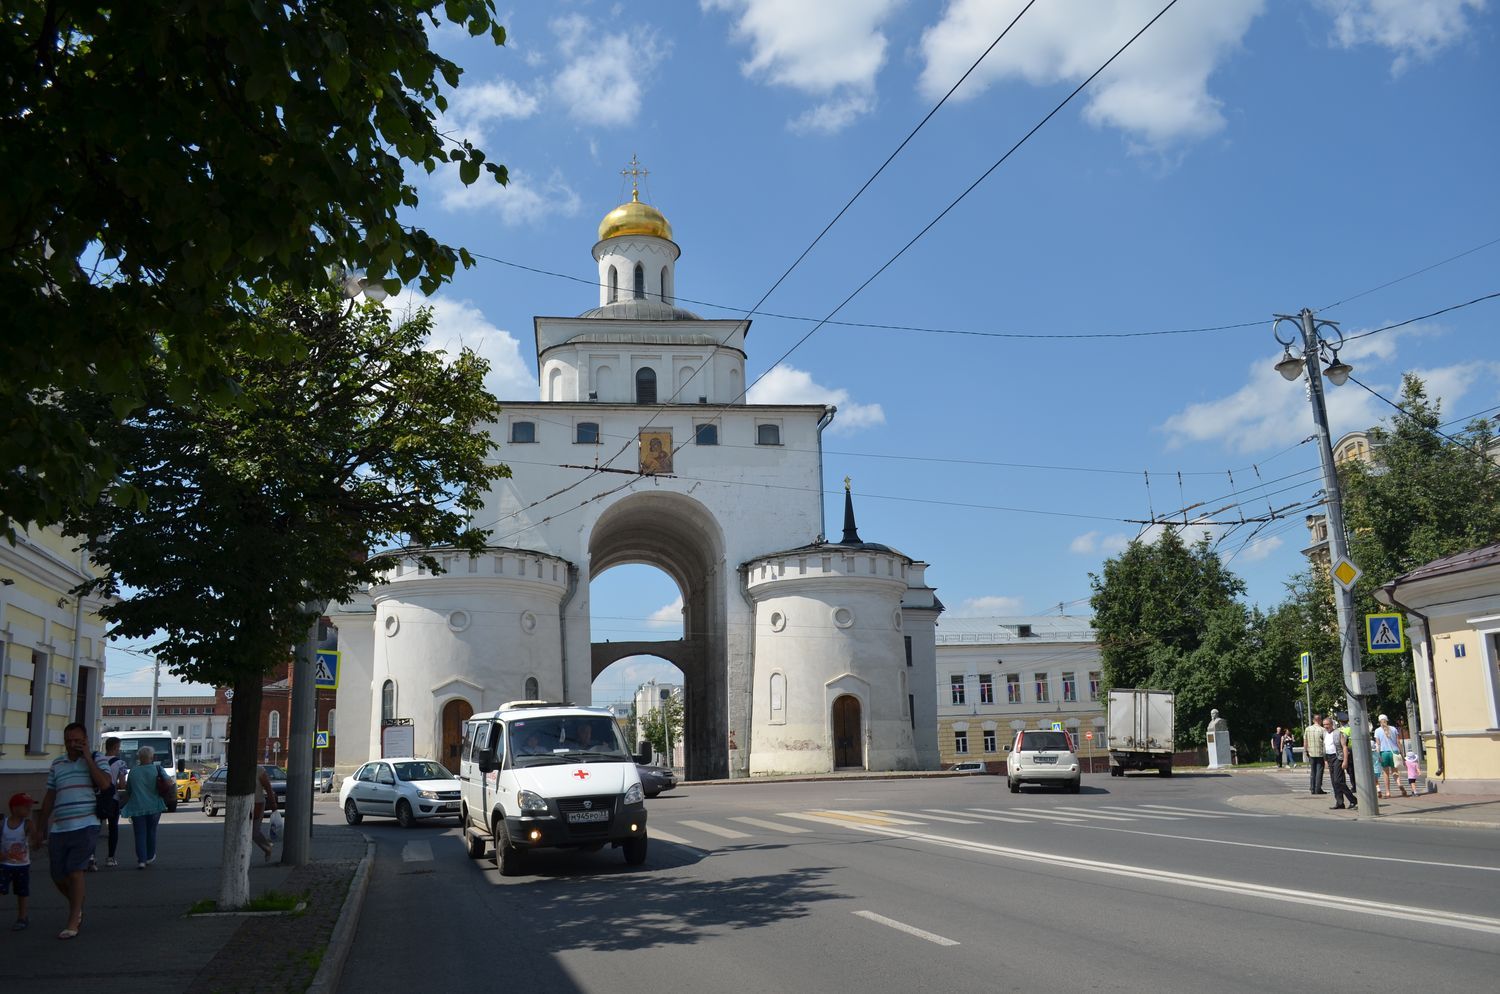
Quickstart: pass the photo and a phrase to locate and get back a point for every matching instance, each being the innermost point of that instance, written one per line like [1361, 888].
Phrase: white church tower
[798, 655]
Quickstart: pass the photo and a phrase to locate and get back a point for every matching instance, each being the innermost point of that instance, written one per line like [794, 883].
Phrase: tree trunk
[240, 790]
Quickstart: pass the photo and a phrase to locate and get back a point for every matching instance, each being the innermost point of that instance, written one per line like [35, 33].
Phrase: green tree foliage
[352, 437]
[653, 726]
[1169, 618]
[1305, 622]
[166, 164]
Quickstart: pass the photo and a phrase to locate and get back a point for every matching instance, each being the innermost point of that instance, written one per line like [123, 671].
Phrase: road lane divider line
[1412, 916]
[926, 817]
[417, 851]
[774, 826]
[982, 817]
[932, 937]
[727, 833]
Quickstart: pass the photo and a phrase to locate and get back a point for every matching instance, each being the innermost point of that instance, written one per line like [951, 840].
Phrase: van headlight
[531, 803]
[634, 795]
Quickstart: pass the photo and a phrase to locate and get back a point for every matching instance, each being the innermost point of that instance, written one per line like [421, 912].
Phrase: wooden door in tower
[848, 738]
[455, 713]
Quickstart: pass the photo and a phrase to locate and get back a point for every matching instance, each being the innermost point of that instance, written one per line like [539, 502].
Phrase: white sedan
[405, 788]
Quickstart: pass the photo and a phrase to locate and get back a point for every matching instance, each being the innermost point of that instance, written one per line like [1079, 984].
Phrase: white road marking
[703, 826]
[975, 814]
[1035, 813]
[1121, 814]
[657, 835]
[846, 818]
[1207, 814]
[932, 937]
[419, 851]
[1412, 917]
[924, 817]
[774, 826]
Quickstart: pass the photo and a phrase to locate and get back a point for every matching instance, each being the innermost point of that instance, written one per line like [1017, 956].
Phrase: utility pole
[155, 691]
[1343, 598]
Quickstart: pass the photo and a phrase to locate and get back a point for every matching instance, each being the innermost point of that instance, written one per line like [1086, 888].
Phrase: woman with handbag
[145, 801]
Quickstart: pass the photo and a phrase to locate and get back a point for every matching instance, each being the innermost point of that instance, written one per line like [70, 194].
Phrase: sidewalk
[137, 935]
[1444, 809]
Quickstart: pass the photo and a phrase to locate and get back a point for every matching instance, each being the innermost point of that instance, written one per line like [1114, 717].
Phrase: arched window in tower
[273, 725]
[640, 282]
[388, 701]
[614, 284]
[666, 286]
[533, 692]
[645, 386]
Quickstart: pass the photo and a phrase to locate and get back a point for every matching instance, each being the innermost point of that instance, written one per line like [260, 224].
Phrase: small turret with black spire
[851, 530]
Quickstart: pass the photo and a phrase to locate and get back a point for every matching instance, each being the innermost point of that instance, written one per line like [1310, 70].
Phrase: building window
[36, 718]
[614, 284]
[587, 433]
[197, 731]
[1094, 685]
[666, 290]
[989, 740]
[956, 688]
[640, 282]
[1013, 688]
[273, 726]
[533, 691]
[706, 434]
[961, 743]
[388, 701]
[911, 708]
[778, 698]
[986, 689]
[768, 434]
[329, 727]
[645, 386]
[908, 650]
[522, 431]
[1070, 687]
[1043, 693]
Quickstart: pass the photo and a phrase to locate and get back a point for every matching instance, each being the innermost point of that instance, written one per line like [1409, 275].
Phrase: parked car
[187, 784]
[655, 779]
[213, 789]
[1045, 757]
[323, 781]
[969, 766]
[407, 789]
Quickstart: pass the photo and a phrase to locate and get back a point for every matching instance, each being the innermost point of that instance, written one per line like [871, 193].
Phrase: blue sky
[1242, 158]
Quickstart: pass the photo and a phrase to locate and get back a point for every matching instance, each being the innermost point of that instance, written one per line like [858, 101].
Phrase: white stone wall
[579, 356]
[623, 252]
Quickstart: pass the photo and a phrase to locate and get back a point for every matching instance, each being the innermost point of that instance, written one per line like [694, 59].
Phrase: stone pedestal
[1218, 741]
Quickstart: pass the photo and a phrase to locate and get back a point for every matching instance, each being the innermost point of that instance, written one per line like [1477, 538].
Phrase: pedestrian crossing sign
[1385, 633]
[1306, 667]
[320, 740]
[326, 670]
[1057, 726]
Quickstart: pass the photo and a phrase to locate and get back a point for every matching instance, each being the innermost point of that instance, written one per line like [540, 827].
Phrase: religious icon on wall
[656, 452]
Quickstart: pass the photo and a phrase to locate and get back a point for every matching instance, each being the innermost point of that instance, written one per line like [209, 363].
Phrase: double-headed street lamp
[1356, 684]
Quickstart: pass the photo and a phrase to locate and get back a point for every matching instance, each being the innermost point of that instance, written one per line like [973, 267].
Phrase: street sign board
[1057, 726]
[320, 740]
[1306, 667]
[326, 670]
[1385, 633]
[1088, 735]
[1346, 573]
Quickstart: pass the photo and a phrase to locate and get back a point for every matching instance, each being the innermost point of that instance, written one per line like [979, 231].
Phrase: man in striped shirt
[69, 807]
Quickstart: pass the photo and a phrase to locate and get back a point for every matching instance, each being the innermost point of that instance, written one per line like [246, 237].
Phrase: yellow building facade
[51, 654]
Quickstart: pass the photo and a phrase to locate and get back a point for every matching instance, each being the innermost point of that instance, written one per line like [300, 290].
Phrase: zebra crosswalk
[706, 834]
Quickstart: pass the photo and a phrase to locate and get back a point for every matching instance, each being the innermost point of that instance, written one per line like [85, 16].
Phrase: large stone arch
[679, 536]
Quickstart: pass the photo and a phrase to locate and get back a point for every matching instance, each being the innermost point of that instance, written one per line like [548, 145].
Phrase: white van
[160, 743]
[536, 775]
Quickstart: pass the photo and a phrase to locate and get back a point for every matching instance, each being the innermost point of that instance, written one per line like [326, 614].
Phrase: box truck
[1141, 731]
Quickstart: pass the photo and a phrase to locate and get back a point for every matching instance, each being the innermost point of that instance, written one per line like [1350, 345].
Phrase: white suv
[535, 775]
[1042, 756]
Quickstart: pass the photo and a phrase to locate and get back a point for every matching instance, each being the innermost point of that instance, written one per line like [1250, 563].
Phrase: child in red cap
[15, 855]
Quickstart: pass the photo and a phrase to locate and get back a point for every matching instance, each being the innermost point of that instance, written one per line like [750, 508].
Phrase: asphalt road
[954, 884]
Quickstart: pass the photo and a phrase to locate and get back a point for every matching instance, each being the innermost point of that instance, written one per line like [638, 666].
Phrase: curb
[331, 970]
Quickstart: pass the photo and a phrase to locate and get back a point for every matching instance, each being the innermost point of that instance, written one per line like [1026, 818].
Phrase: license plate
[576, 817]
[1046, 759]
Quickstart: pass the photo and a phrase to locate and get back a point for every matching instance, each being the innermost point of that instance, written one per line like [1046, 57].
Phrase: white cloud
[1090, 543]
[667, 615]
[604, 72]
[1260, 548]
[788, 385]
[1413, 29]
[457, 324]
[832, 50]
[1157, 91]
[988, 607]
[472, 106]
[522, 200]
[1449, 384]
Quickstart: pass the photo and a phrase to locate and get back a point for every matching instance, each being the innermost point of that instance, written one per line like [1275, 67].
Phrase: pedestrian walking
[1288, 746]
[265, 800]
[67, 816]
[109, 801]
[1312, 751]
[1278, 739]
[144, 804]
[1412, 771]
[1336, 757]
[16, 840]
[1388, 742]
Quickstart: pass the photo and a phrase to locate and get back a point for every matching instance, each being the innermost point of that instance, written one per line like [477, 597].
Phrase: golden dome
[634, 218]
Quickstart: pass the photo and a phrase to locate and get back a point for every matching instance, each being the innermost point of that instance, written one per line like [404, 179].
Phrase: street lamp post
[1291, 368]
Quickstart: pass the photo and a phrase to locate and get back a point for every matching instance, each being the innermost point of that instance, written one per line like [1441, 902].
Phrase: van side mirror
[488, 763]
[643, 753]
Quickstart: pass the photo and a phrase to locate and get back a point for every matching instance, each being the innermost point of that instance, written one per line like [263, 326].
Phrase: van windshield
[130, 745]
[565, 739]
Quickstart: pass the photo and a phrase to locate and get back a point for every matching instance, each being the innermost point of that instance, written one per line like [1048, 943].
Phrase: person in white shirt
[1336, 755]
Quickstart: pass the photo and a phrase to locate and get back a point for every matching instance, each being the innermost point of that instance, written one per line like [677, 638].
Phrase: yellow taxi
[187, 784]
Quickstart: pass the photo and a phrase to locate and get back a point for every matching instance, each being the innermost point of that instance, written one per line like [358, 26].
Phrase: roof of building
[1006, 629]
[641, 309]
[1460, 562]
[635, 218]
[127, 702]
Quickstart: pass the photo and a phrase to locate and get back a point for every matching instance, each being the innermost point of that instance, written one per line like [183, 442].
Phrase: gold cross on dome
[847, 481]
[635, 172]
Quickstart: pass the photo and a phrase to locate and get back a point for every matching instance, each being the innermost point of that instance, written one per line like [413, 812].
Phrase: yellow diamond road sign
[1346, 573]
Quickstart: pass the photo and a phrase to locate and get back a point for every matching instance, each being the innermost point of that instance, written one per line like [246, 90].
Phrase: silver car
[1043, 756]
[405, 788]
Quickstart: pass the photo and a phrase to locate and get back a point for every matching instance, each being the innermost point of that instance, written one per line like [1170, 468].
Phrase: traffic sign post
[326, 669]
[1385, 633]
[1306, 659]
